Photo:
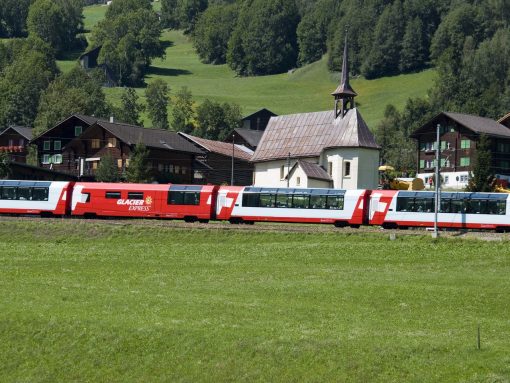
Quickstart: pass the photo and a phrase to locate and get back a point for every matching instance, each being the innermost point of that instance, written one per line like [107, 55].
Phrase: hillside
[306, 89]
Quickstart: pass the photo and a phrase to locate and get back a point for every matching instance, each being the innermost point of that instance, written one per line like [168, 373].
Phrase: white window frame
[347, 166]
[46, 159]
[57, 145]
[46, 145]
[78, 129]
[56, 159]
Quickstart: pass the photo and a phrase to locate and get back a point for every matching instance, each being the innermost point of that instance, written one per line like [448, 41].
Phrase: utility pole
[288, 169]
[438, 183]
[232, 173]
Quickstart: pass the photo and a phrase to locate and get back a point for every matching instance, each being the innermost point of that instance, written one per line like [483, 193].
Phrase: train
[389, 209]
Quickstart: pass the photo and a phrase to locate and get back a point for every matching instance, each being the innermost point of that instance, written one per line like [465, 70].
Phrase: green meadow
[305, 89]
[89, 301]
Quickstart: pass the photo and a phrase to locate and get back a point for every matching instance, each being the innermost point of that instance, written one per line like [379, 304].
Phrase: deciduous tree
[107, 170]
[182, 112]
[138, 170]
[157, 103]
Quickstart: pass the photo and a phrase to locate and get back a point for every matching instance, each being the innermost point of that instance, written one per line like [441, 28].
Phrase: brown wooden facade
[219, 171]
[14, 141]
[459, 137]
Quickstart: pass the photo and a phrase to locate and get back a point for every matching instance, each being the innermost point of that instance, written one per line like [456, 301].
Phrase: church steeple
[344, 93]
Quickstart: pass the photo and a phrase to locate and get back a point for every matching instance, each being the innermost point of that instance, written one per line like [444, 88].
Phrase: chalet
[459, 134]
[14, 140]
[50, 143]
[322, 149]
[171, 157]
[215, 165]
[89, 61]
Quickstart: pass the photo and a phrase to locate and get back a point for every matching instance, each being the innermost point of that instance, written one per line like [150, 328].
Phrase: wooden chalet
[215, 165]
[459, 134]
[14, 140]
[50, 143]
[171, 157]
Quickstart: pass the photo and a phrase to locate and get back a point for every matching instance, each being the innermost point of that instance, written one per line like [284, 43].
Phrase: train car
[257, 204]
[457, 210]
[188, 202]
[45, 198]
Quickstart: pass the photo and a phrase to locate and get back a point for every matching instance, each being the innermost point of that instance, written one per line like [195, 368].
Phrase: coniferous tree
[157, 103]
[138, 170]
[107, 170]
[413, 54]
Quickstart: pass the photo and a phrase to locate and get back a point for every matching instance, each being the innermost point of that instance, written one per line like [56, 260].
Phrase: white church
[331, 149]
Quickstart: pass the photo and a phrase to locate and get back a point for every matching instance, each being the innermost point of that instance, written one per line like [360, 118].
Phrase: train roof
[140, 187]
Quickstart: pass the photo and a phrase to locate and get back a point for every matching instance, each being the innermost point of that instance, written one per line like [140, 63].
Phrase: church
[329, 149]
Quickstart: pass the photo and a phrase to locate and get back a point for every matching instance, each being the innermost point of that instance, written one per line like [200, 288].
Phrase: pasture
[161, 301]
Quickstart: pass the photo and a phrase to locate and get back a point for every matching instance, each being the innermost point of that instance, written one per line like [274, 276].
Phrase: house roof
[312, 170]
[308, 134]
[252, 137]
[505, 120]
[259, 111]
[93, 51]
[89, 120]
[21, 130]
[154, 138]
[476, 124]
[223, 148]
[345, 89]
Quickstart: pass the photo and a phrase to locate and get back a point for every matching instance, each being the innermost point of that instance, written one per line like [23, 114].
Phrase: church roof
[345, 89]
[308, 134]
[312, 170]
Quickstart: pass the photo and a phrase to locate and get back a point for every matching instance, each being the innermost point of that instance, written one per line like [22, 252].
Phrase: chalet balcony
[12, 149]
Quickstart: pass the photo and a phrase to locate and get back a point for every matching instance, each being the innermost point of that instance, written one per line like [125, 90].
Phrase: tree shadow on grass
[167, 44]
[156, 71]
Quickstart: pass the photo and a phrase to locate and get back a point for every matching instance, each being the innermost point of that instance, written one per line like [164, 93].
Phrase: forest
[467, 42]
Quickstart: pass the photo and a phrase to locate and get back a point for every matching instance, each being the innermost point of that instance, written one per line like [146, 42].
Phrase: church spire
[344, 93]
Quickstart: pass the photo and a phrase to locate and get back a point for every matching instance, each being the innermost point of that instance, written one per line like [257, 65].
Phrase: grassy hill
[306, 89]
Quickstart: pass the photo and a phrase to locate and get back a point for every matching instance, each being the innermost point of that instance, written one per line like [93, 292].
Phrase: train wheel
[235, 221]
[389, 225]
[190, 219]
[355, 226]
[340, 224]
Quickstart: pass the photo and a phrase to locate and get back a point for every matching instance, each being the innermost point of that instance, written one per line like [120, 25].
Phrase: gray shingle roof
[252, 137]
[22, 130]
[308, 134]
[313, 170]
[154, 138]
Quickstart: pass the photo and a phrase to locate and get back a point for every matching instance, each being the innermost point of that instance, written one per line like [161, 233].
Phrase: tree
[129, 36]
[13, 17]
[414, 52]
[169, 14]
[73, 92]
[189, 11]
[138, 170]
[212, 32]
[482, 175]
[5, 168]
[182, 112]
[130, 109]
[216, 121]
[264, 40]
[107, 170]
[157, 103]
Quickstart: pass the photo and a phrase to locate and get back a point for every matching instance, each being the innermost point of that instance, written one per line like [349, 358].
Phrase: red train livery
[386, 208]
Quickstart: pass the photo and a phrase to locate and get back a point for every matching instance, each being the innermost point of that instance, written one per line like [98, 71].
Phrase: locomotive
[248, 204]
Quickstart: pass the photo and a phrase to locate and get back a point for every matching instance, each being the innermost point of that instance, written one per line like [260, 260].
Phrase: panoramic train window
[24, 193]
[40, 194]
[112, 195]
[135, 195]
[184, 195]
[294, 198]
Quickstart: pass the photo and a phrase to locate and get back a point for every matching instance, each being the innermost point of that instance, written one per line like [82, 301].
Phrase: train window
[183, 198]
[423, 205]
[457, 206]
[40, 194]
[404, 204]
[8, 192]
[318, 201]
[251, 199]
[112, 195]
[24, 193]
[283, 200]
[300, 201]
[135, 195]
[335, 202]
[267, 200]
[445, 205]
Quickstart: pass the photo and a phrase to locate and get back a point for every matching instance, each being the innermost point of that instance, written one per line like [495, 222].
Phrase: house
[332, 148]
[14, 140]
[89, 61]
[258, 120]
[171, 157]
[219, 159]
[459, 134]
[253, 128]
[50, 143]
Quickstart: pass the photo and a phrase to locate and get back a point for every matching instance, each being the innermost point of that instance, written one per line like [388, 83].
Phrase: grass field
[307, 89]
[88, 301]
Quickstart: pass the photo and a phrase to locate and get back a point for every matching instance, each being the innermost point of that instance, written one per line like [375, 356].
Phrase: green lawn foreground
[86, 301]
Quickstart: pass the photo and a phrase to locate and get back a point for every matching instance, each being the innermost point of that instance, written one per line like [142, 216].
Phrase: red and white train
[386, 208]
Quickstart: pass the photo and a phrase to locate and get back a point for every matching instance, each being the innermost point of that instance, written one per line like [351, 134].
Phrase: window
[465, 161]
[183, 170]
[46, 145]
[465, 144]
[300, 201]
[282, 172]
[283, 200]
[95, 143]
[422, 164]
[112, 142]
[161, 167]
[183, 197]
[57, 145]
[21, 142]
[8, 192]
[298, 181]
[445, 145]
[267, 200]
[135, 195]
[127, 162]
[56, 159]
[251, 199]
[176, 169]
[119, 163]
[46, 159]
[112, 195]
[318, 201]
[77, 130]
[11, 142]
[347, 168]
[24, 193]
[446, 179]
[330, 168]
[40, 194]
[94, 164]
